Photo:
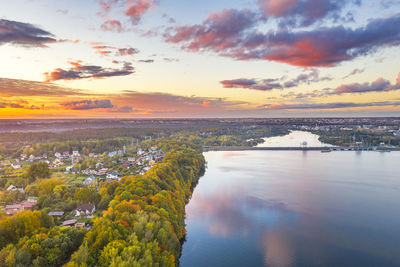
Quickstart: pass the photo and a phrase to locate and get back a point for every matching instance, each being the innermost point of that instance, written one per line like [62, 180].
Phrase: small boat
[326, 150]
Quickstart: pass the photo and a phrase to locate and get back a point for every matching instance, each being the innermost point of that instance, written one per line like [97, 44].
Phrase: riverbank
[244, 148]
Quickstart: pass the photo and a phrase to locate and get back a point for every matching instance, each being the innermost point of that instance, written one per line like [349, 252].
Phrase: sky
[199, 58]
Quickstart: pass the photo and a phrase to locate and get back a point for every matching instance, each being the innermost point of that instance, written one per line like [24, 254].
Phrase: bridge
[243, 148]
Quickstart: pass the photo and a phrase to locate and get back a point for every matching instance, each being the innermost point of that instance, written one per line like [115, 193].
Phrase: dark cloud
[88, 104]
[24, 34]
[306, 78]
[146, 61]
[354, 72]
[337, 105]
[80, 71]
[169, 60]
[220, 31]
[21, 104]
[261, 85]
[127, 51]
[380, 85]
[270, 84]
[233, 33]
[306, 12]
[15, 87]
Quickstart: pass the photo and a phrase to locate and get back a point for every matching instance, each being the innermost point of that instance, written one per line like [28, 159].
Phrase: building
[14, 188]
[69, 223]
[56, 213]
[87, 209]
[89, 180]
[14, 208]
[113, 176]
[16, 166]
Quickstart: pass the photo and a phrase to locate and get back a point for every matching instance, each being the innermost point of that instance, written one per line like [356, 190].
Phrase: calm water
[294, 208]
[294, 139]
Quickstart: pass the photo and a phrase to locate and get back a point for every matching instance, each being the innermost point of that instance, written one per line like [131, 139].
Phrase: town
[74, 169]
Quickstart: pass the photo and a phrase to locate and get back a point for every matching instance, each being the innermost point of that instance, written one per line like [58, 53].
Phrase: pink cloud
[112, 26]
[277, 7]
[136, 9]
[234, 33]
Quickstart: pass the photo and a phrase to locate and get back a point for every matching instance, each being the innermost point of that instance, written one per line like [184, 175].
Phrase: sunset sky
[199, 58]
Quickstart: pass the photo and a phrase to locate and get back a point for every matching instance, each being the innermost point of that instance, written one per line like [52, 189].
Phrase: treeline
[47, 247]
[29, 238]
[144, 224]
[87, 140]
[348, 138]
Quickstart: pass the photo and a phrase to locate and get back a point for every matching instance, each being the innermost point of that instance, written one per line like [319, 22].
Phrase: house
[69, 223]
[27, 205]
[89, 180]
[99, 165]
[80, 225]
[71, 169]
[14, 208]
[87, 209]
[16, 166]
[17, 207]
[114, 176]
[131, 159]
[58, 155]
[75, 153]
[56, 213]
[14, 188]
[102, 171]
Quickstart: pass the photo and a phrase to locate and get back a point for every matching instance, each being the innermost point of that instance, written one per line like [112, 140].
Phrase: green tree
[38, 170]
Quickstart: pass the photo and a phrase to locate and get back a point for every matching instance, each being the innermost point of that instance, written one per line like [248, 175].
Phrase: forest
[142, 222]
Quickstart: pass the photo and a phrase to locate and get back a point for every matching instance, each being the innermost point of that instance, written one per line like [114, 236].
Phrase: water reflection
[293, 139]
[235, 213]
[282, 208]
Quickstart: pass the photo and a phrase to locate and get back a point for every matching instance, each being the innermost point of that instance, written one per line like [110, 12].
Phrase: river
[295, 208]
[294, 139]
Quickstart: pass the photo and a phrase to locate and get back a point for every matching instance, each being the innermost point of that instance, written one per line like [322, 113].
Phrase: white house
[16, 166]
[113, 176]
[89, 180]
[87, 209]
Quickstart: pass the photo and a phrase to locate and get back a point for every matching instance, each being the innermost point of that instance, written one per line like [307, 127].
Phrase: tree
[87, 195]
[38, 170]
[47, 186]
